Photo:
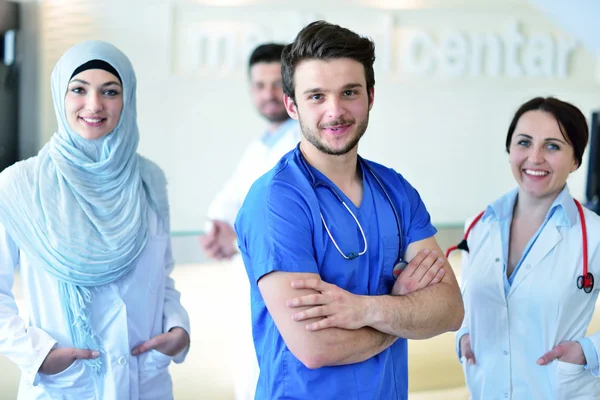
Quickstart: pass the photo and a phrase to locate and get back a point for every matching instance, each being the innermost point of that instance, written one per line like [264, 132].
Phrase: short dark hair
[266, 53]
[571, 122]
[321, 40]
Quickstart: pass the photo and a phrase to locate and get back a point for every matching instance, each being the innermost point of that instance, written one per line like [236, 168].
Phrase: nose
[272, 92]
[94, 102]
[335, 108]
[536, 155]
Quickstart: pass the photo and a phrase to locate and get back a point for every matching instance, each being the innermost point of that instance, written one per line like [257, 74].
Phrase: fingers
[83, 354]
[322, 324]
[469, 356]
[314, 312]
[431, 261]
[556, 352]
[316, 299]
[147, 345]
[438, 277]
[315, 284]
[433, 271]
[415, 262]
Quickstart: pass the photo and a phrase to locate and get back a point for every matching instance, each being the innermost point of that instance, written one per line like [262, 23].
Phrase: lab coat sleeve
[591, 354]
[174, 314]
[228, 201]
[26, 346]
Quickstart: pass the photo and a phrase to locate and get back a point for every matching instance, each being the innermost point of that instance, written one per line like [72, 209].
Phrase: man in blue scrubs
[320, 239]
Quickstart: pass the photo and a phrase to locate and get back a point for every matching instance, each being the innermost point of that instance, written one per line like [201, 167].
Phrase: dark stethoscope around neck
[400, 264]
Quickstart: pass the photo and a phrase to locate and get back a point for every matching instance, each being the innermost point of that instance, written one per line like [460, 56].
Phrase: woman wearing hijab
[87, 223]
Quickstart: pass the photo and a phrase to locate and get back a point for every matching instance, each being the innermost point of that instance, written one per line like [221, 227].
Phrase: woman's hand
[569, 352]
[170, 343]
[61, 358]
[465, 349]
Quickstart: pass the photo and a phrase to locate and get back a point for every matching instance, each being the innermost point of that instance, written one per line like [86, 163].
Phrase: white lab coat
[256, 161]
[124, 314]
[542, 309]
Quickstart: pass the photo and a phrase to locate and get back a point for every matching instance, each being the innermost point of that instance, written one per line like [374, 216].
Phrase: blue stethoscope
[400, 263]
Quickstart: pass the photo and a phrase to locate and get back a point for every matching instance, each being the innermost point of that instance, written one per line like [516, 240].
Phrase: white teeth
[92, 120]
[536, 173]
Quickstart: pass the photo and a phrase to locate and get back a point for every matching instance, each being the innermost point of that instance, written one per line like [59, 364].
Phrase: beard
[274, 117]
[314, 139]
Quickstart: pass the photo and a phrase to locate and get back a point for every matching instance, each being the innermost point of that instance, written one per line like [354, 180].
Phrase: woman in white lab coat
[87, 223]
[524, 331]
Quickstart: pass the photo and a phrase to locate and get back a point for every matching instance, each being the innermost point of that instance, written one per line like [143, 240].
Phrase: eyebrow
[320, 90]
[103, 85]
[545, 140]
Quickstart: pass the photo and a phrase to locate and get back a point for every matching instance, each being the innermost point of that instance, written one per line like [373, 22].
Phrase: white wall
[444, 129]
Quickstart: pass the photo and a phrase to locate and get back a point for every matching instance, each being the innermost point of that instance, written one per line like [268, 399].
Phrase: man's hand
[170, 343]
[465, 349]
[61, 358]
[423, 270]
[569, 352]
[218, 243]
[340, 308]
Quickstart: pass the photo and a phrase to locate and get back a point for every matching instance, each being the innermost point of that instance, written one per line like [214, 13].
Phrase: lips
[92, 121]
[337, 129]
[536, 172]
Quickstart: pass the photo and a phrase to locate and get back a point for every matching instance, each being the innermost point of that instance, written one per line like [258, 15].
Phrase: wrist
[370, 310]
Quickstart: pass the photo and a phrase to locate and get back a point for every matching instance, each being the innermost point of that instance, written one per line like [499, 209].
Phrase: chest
[520, 234]
[357, 247]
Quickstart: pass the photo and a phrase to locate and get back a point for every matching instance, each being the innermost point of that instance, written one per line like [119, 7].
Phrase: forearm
[341, 347]
[26, 346]
[419, 315]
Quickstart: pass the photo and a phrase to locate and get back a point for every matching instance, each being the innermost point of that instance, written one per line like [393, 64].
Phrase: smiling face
[93, 103]
[541, 158]
[332, 103]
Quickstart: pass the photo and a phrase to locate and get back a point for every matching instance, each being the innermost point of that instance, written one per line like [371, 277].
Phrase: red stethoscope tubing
[585, 281]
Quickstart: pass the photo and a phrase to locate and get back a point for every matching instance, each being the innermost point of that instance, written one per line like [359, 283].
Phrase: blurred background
[449, 76]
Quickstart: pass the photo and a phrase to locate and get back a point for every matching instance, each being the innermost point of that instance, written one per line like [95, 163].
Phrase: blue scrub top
[279, 228]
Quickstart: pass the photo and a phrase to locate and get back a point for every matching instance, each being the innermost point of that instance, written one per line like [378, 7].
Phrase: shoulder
[17, 173]
[151, 171]
[592, 224]
[284, 189]
[155, 181]
[390, 177]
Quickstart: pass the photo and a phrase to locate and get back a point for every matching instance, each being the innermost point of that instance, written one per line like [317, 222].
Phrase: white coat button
[505, 352]
[497, 260]
[506, 395]
[121, 361]
[118, 303]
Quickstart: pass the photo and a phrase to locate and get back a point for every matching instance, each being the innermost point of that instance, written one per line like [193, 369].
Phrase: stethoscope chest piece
[586, 283]
[399, 267]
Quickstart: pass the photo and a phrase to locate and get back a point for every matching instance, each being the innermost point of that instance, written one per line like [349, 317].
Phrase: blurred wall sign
[218, 46]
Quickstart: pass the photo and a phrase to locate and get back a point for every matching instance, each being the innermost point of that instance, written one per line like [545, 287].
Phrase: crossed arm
[324, 325]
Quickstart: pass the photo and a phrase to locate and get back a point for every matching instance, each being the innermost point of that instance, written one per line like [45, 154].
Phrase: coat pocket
[74, 383]
[155, 381]
[574, 382]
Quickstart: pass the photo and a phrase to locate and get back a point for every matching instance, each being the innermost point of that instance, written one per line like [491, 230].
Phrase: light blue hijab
[79, 208]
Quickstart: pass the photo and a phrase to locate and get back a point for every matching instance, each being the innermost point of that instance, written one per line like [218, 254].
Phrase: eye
[316, 97]
[110, 92]
[77, 90]
[524, 143]
[349, 93]
[552, 147]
